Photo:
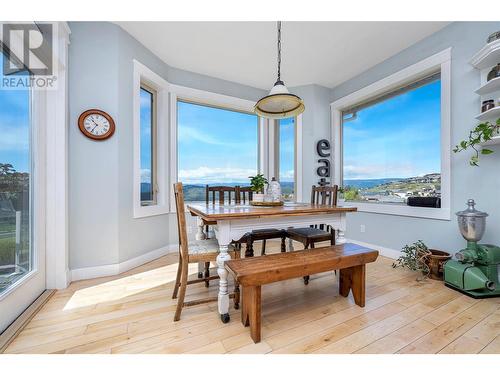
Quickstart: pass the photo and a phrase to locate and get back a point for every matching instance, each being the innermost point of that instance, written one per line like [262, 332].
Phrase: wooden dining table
[233, 221]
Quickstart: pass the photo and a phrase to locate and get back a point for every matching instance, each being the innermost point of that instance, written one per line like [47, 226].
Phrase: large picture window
[216, 146]
[392, 145]
[16, 257]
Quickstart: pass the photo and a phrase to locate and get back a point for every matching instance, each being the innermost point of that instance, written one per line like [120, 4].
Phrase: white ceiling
[324, 53]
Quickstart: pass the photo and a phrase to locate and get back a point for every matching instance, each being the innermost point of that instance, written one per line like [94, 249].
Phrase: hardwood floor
[133, 313]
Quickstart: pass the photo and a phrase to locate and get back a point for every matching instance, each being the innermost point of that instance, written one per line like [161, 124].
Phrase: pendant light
[279, 103]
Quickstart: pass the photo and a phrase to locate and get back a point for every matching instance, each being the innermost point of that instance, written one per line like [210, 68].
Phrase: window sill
[147, 211]
[19, 282]
[442, 213]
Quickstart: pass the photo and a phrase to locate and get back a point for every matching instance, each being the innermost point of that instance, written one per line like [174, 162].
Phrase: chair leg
[332, 239]
[263, 251]
[283, 244]
[207, 274]
[249, 249]
[306, 278]
[178, 278]
[237, 294]
[182, 292]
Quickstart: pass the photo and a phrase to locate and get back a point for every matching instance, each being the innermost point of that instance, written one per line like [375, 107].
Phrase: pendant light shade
[279, 103]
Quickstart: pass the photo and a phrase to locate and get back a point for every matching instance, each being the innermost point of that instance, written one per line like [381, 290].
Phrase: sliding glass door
[22, 255]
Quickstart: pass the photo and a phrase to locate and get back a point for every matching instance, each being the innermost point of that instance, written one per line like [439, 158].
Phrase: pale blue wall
[101, 226]
[482, 184]
[102, 230]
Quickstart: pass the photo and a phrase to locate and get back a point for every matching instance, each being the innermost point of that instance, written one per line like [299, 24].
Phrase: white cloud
[145, 175]
[202, 175]
[373, 171]
[187, 134]
[287, 175]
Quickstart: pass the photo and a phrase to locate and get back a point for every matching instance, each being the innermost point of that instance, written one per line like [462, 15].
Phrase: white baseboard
[117, 268]
[384, 251]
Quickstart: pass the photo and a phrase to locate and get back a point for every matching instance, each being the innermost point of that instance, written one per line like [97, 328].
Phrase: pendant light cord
[279, 51]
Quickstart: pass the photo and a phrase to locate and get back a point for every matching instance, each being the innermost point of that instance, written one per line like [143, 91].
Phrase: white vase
[274, 190]
[258, 197]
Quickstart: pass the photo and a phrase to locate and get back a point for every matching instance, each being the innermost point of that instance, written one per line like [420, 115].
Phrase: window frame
[277, 155]
[209, 99]
[143, 76]
[154, 143]
[440, 62]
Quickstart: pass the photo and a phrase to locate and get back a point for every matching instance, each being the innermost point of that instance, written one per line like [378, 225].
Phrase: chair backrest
[181, 220]
[221, 192]
[325, 195]
[243, 194]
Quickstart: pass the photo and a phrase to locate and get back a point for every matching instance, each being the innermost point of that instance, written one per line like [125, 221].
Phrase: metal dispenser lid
[471, 211]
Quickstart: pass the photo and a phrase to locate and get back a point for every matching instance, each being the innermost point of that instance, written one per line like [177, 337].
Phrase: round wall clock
[96, 124]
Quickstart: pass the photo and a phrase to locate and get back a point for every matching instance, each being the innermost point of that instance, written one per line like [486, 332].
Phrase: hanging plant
[481, 133]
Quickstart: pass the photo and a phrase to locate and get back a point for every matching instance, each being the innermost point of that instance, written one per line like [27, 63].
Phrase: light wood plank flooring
[133, 313]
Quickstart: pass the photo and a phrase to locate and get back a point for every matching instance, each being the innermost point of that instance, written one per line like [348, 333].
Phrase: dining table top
[214, 212]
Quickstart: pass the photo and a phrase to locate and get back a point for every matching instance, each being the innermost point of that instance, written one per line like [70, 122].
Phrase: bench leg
[251, 311]
[353, 279]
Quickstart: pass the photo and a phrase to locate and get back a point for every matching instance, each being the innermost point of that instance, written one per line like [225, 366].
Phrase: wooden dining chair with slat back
[194, 252]
[242, 195]
[321, 195]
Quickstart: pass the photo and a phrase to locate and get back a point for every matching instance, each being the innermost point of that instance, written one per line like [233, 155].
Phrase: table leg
[223, 297]
[200, 234]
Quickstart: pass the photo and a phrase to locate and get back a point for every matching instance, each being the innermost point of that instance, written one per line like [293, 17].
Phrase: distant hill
[196, 192]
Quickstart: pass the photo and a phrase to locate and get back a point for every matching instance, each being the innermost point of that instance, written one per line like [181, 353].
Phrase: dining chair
[244, 194]
[194, 252]
[240, 195]
[323, 195]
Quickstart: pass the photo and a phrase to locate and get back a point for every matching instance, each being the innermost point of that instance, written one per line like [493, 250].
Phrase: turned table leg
[200, 234]
[223, 297]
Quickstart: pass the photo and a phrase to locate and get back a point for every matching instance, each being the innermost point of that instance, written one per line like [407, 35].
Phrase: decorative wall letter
[323, 171]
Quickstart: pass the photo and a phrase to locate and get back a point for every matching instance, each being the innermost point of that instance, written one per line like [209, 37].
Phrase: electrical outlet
[362, 228]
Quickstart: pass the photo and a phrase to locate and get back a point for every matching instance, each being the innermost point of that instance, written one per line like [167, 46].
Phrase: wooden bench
[252, 273]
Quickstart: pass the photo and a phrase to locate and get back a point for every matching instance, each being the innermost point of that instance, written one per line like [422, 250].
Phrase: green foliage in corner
[481, 133]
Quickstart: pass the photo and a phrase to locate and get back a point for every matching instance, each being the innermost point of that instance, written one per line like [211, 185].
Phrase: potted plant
[257, 184]
[418, 257]
[413, 257]
[481, 133]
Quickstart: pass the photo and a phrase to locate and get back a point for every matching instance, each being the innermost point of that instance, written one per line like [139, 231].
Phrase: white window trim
[442, 61]
[213, 99]
[162, 87]
[266, 132]
[272, 154]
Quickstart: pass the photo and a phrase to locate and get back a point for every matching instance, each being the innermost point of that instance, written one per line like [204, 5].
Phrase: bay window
[215, 146]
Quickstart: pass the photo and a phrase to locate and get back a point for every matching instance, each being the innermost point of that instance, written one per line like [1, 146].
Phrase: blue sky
[145, 136]
[399, 137]
[14, 127]
[216, 145]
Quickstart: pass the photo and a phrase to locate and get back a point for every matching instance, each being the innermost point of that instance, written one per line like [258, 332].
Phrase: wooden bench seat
[252, 273]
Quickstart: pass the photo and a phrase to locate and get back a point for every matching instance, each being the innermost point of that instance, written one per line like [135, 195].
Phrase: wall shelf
[489, 115]
[489, 87]
[488, 56]
[493, 141]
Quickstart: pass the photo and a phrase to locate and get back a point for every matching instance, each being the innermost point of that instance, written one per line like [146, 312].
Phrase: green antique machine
[476, 271]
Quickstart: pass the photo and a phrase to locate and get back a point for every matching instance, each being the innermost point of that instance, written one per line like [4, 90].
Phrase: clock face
[96, 124]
